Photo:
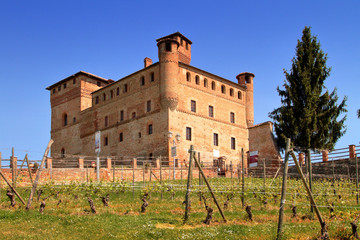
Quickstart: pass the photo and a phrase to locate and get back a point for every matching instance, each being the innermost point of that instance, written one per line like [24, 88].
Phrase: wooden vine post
[310, 175]
[209, 187]
[357, 179]
[242, 178]
[283, 190]
[38, 174]
[187, 196]
[308, 190]
[12, 188]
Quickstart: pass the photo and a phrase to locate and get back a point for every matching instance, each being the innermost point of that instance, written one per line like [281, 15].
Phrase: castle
[145, 113]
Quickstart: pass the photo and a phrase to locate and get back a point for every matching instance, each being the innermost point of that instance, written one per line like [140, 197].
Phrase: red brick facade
[136, 113]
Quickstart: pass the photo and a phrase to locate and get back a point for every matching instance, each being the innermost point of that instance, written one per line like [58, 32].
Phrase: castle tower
[247, 79]
[172, 49]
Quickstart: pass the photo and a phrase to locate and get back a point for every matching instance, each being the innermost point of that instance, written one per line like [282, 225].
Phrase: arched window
[65, 119]
[62, 155]
[213, 87]
[188, 77]
[205, 83]
[223, 90]
[106, 121]
[197, 80]
[152, 77]
[231, 92]
[239, 95]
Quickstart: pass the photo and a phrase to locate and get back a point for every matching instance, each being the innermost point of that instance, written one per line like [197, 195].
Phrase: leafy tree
[309, 112]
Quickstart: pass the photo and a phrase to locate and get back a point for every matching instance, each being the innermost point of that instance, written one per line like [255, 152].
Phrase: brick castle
[136, 113]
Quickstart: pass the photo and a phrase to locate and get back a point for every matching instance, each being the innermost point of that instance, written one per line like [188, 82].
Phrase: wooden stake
[308, 190]
[283, 190]
[357, 179]
[12, 188]
[29, 170]
[38, 174]
[187, 196]
[310, 176]
[242, 178]
[209, 187]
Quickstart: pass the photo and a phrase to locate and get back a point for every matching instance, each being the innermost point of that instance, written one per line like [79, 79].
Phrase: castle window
[59, 88]
[74, 81]
[54, 90]
[121, 137]
[111, 94]
[187, 46]
[247, 79]
[223, 90]
[231, 92]
[117, 91]
[62, 155]
[197, 80]
[104, 97]
[150, 129]
[97, 100]
[182, 42]
[99, 84]
[168, 47]
[121, 115]
[106, 121]
[139, 134]
[133, 115]
[65, 119]
[205, 83]
[239, 95]
[148, 106]
[152, 77]
[232, 117]
[188, 77]
[216, 139]
[213, 86]
[188, 133]
[64, 85]
[233, 143]
[125, 88]
[74, 120]
[151, 156]
[211, 111]
[193, 106]
[106, 141]
[142, 81]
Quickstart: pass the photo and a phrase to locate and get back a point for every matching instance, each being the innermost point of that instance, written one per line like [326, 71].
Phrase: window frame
[216, 139]
[193, 106]
[188, 133]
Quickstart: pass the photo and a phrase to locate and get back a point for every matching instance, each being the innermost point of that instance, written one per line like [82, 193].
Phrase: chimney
[147, 62]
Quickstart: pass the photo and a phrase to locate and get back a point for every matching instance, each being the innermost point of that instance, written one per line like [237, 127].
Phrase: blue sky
[43, 42]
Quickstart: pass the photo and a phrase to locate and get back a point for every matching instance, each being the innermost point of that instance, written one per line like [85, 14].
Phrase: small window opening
[188, 77]
[106, 141]
[62, 153]
[223, 89]
[197, 80]
[106, 121]
[111, 94]
[188, 133]
[150, 129]
[65, 119]
[125, 88]
[213, 86]
[54, 90]
[152, 77]
[139, 134]
[231, 92]
[216, 139]
[193, 106]
[133, 115]
[74, 120]
[142, 81]
[59, 88]
[239, 95]
[148, 106]
[74, 81]
[168, 47]
[104, 97]
[121, 137]
[97, 100]
[121, 115]
[64, 85]
[99, 84]
[117, 91]
[233, 143]
[205, 83]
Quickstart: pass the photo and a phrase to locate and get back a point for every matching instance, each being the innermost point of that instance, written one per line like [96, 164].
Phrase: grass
[72, 219]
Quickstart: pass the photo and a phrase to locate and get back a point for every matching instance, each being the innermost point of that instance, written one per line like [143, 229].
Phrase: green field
[163, 219]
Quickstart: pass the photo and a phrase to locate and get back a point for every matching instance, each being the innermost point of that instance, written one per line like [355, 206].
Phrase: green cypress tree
[309, 112]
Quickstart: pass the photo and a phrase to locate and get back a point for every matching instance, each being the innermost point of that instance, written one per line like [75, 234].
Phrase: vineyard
[150, 210]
